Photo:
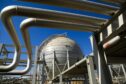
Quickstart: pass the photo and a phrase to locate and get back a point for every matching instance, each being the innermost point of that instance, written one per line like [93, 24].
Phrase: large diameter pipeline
[10, 29]
[84, 5]
[10, 11]
[111, 42]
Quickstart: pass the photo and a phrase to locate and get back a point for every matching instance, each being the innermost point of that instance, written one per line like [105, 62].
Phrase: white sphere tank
[60, 47]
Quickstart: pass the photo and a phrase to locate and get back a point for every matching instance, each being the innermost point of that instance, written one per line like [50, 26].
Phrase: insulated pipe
[9, 11]
[51, 14]
[48, 23]
[15, 61]
[5, 69]
[13, 35]
[80, 5]
[111, 42]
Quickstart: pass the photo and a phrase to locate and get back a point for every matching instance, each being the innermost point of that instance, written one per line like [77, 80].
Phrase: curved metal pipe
[27, 23]
[10, 11]
[13, 35]
[51, 14]
[5, 69]
[15, 61]
[19, 72]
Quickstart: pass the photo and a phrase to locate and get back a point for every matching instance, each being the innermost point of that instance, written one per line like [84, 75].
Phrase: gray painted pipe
[50, 24]
[9, 11]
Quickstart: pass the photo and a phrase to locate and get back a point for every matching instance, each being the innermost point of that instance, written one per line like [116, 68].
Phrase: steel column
[103, 71]
[124, 71]
[35, 67]
[53, 66]
[61, 79]
[90, 67]
[68, 61]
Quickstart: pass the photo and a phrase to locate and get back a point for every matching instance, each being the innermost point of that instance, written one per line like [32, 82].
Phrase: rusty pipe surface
[27, 23]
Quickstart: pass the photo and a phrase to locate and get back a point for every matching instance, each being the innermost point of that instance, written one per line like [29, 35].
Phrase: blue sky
[38, 35]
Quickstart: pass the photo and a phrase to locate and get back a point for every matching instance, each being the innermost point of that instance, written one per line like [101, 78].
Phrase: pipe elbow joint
[7, 11]
[26, 23]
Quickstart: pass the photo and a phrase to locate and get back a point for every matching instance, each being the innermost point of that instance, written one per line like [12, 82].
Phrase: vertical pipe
[68, 61]
[53, 63]
[35, 66]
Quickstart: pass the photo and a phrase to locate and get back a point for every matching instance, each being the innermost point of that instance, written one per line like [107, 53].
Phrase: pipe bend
[8, 11]
[5, 16]
[13, 64]
[19, 72]
[26, 23]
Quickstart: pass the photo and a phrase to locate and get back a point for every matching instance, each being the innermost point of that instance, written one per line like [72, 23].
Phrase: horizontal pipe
[10, 11]
[80, 5]
[57, 24]
[10, 60]
[12, 46]
[13, 64]
[53, 15]
[26, 24]
[111, 42]
[13, 52]
[19, 72]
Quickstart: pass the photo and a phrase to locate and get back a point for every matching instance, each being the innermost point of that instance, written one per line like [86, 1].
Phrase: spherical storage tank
[62, 49]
